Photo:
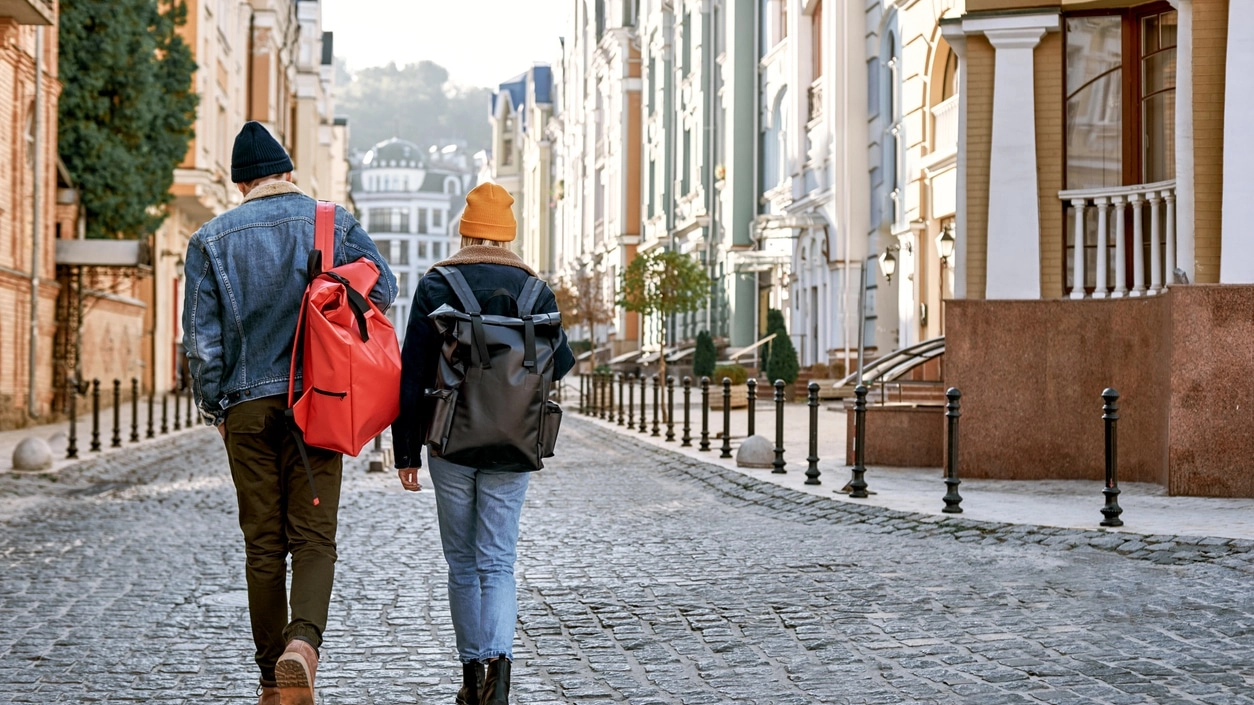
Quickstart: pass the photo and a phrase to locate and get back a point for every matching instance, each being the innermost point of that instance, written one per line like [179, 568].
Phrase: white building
[407, 199]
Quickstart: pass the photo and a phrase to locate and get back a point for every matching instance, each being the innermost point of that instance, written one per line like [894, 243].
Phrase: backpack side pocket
[549, 426]
[443, 404]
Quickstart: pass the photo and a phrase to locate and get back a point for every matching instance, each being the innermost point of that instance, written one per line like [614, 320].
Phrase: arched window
[949, 79]
[774, 153]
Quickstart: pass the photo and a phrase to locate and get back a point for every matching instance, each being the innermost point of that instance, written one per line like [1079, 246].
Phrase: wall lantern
[945, 243]
[888, 263]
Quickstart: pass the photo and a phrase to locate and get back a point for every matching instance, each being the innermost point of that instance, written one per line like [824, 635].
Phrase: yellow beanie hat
[488, 214]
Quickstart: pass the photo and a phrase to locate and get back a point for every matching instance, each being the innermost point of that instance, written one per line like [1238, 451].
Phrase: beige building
[28, 126]
[249, 70]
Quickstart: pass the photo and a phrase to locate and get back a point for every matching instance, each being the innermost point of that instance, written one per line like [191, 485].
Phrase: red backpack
[350, 357]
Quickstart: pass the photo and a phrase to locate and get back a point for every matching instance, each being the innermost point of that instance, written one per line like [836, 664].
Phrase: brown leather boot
[295, 673]
[472, 683]
[268, 694]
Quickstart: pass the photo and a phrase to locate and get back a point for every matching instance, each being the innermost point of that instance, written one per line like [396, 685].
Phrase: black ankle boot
[472, 683]
[495, 690]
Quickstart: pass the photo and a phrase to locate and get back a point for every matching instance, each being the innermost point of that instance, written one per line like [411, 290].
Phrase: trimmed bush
[705, 357]
[781, 362]
[737, 374]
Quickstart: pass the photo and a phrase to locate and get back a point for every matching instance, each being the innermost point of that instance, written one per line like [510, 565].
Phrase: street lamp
[888, 263]
[945, 243]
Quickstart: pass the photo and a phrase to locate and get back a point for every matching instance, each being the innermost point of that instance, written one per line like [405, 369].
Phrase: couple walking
[246, 276]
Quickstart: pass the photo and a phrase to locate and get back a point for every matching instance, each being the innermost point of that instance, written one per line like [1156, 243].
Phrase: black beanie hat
[257, 154]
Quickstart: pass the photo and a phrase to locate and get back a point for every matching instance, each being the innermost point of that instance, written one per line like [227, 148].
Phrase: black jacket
[485, 272]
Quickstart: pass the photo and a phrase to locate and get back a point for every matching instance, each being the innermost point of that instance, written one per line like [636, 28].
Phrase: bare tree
[581, 299]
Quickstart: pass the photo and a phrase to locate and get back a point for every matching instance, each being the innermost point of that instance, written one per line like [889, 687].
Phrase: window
[437, 218]
[402, 284]
[388, 220]
[600, 19]
[686, 167]
[385, 249]
[783, 19]
[507, 151]
[949, 80]
[422, 221]
[685, 65]
[816, 41]
[652, 188]
[400, 252]
[651, 89]
[437, 250]
[422, 250]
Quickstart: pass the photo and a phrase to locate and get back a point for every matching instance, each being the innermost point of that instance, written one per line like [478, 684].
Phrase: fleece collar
[485, 254]
[272, 188]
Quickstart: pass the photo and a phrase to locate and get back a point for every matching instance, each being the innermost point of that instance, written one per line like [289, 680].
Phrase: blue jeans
[479, 512]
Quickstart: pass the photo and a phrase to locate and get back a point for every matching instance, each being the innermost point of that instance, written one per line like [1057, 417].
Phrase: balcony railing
[35, 12]
[945, 126]
[1106, 222]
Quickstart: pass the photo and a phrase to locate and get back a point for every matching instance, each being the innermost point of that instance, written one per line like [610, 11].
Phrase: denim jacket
[246, 275]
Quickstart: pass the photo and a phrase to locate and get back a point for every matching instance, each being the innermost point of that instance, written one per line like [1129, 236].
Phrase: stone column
[1237, 263]
[1014, 222]
[953, 33]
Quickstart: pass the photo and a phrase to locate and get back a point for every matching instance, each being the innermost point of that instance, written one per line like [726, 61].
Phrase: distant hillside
[415, 103]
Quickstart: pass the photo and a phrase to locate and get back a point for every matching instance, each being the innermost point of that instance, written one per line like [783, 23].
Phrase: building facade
[407, 198]
[28, 194]
[1104, 221]
[262, 60]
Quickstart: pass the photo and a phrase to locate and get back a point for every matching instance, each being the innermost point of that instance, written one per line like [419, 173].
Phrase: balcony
[945, 126]
[1109, 222]
[36, 12]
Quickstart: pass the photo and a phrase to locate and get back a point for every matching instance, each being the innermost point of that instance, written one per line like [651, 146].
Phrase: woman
[478, 508]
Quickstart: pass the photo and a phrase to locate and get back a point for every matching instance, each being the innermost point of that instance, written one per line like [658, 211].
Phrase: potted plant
[739, 377]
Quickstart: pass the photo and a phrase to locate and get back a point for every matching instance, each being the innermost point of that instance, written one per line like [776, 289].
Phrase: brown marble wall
[1032, 373]
[900, 435]
[1212, 391]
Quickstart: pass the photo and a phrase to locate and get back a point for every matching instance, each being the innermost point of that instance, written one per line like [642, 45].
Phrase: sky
[480, 42]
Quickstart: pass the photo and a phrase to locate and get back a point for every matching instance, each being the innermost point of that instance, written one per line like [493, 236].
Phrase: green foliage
[705, 356]
[736, 373]
[661, 282]
[126, 109]
[416, 103]
[781, 361]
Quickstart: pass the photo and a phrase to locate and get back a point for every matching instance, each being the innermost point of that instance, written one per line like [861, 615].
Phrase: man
[246, 276]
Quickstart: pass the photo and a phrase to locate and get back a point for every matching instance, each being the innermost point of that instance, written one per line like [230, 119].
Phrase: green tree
[781, 360]
[126, 109]
[416, 103]
[663, 283]
[705, 357]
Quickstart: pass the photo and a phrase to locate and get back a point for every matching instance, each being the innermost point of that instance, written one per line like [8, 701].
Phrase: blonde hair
[472, 241]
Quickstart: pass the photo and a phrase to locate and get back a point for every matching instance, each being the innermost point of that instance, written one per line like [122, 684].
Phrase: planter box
[739, 396]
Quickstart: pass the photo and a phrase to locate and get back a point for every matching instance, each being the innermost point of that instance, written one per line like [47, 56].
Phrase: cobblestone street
[644, 578]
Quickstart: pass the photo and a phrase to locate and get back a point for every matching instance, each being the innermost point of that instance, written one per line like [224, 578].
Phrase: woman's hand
[409, 479]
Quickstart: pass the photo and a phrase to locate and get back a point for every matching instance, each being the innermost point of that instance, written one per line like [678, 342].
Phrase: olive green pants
[278, 517]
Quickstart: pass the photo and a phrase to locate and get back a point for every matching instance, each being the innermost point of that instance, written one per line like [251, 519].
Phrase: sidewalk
[1072, 504]
[57, 434]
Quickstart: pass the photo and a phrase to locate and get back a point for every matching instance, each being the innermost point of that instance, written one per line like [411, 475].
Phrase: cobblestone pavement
[644, 578]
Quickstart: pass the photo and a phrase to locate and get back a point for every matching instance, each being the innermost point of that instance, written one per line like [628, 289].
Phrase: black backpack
[490, 407]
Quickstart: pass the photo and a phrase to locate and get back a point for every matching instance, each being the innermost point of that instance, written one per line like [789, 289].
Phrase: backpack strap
[479, 351]
[458, 284]
[324, 239]
[530, 296]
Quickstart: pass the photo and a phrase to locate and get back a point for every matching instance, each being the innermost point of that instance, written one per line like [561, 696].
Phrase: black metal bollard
[687, 438]
[95, 416]
[583, 408]
[631, 402]
[71, 446]
[1110, 414]
[953, 500]
[620, 398]
[190, 398]
[607, 397]
[705, 413]
[657, 406]
[670, 409]
[812, 466]
[152, 400]
[643, 426]
[134, 410]
[753, 406]
[857, 486]
[779, 428]
[116, 440]
[178, 403]
[165, 404]
[725, 451]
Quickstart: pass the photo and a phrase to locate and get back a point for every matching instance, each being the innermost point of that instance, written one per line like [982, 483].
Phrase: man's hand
[409, 479]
